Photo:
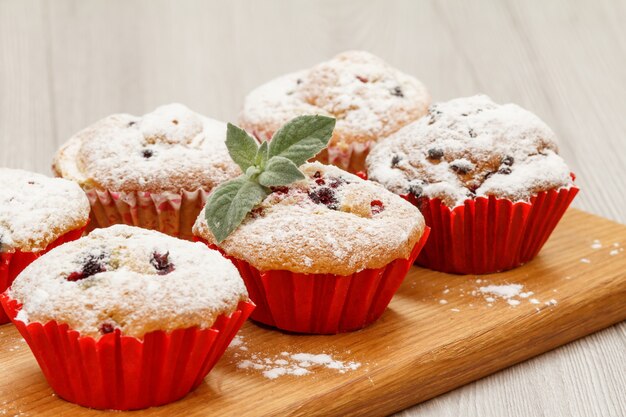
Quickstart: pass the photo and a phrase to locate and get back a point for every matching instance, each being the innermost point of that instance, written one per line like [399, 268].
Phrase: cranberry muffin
[153, 171]
[473, 151]
[324, 254]
[36, 214]
[369, 98]
[130, 290]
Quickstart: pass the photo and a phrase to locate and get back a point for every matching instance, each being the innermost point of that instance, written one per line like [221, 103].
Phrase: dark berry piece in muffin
[397, 91]
[106, 328]
[161, 263]
[92, 265]
[325, 196]
[435, 153]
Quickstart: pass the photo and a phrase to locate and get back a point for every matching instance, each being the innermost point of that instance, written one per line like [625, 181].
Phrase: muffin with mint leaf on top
[369, 98]
[320, 250]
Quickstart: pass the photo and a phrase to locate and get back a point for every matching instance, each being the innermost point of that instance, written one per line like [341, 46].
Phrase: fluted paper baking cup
[350, 157]
[12, 263]
[323, 303]
[168, 212]
[122, 372]
[488, 235]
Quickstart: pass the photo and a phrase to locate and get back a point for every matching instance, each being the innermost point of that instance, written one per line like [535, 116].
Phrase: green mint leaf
[261, 156]
[252, 171]
[241, 146]
[229, 204]
[302, 138]
[279, 171]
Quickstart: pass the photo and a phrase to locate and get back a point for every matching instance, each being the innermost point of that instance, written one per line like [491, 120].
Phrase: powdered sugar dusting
[138, 281]
[504, 291]
[513, 294]
[341, 227]
[35, 210]
[467, 148]
[369, 98]
[170, 149]
[287, 363]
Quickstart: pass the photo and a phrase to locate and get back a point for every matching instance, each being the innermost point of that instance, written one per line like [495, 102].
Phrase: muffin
[487, 178]
[37, 213]
[369, 98]
[127, 318]
[153, 171]
[324, 254]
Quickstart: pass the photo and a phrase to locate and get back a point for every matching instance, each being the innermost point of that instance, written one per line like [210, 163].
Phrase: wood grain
[420, 348]
[67, 63]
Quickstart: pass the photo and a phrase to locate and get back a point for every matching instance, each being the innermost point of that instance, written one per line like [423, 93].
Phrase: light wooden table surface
[65, 64]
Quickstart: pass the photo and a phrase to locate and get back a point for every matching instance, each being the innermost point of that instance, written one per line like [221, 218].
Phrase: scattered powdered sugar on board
[514, 294]
[616, 249]
[613, 249]
[288, 363]
[504, 291]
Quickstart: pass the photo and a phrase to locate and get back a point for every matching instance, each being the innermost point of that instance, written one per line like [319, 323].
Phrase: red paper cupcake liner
[12, 263]
[323, 303]
[488, 235]
[122, 372]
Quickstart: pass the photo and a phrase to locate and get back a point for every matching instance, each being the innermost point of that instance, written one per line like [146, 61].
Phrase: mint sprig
[268, 165]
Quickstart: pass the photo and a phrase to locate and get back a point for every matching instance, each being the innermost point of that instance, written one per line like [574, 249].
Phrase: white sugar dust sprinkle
[455, 310]
[295, 364]
[513, 294]
[596, 244]
[237, 341]
[504, 291]
[617, 249]
[443, 301]
[585, 260]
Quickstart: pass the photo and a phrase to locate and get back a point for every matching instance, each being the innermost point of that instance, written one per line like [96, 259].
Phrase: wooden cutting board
[441, 331]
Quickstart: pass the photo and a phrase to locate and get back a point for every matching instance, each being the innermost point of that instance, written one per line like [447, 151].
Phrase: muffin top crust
[369, 98]
[131, 279]
[330, 222]
[170, 149]
[35, 210]
[467, 148]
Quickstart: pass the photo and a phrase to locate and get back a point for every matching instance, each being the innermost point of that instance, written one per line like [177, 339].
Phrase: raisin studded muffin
[131, 279]
[369, 98]
[152, 171]
[36, 213]
[472, 149]
[327, 230]
[127, 318]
